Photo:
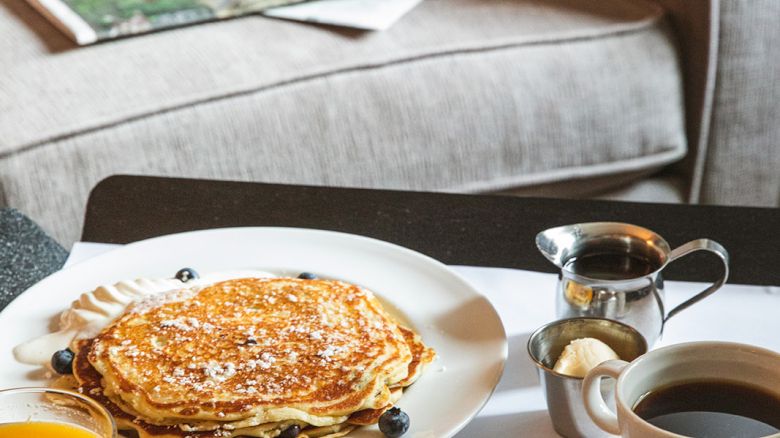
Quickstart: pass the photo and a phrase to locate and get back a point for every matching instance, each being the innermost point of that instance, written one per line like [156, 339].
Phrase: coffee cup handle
[597, 408]
[700, 245]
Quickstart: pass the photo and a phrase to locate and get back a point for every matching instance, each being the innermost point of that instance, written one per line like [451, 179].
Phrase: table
[480, 231]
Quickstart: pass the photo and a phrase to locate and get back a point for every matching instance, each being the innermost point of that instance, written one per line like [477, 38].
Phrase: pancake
[89, 382]
[250, 357]
[421, 356]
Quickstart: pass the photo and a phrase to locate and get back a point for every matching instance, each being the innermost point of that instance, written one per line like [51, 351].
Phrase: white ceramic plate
[448, 313]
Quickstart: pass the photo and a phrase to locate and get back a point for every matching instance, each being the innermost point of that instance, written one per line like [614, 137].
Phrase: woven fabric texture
[27, 254]
[460, 95]
[742, 165]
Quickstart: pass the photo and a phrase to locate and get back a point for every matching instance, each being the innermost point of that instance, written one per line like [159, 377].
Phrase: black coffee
[610, 266]
[712, 409]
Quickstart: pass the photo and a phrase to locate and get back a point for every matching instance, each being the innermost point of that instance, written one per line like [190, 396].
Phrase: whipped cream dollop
[95, 310]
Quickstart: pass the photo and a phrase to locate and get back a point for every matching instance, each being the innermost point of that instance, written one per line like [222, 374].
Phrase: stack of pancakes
[252, 357]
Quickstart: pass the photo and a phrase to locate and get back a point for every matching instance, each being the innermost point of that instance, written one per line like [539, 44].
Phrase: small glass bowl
[48, 405]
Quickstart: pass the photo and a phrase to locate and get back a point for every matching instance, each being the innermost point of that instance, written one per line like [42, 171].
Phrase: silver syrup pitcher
[613, 270]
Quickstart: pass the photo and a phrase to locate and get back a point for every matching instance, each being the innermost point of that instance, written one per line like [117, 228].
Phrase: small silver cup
[564, 393]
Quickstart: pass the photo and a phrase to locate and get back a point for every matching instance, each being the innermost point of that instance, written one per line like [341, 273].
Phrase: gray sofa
[670, 101]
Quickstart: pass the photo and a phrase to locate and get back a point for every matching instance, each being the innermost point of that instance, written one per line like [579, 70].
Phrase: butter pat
[582, 355]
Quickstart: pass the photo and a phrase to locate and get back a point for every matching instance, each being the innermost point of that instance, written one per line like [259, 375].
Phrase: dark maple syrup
[610, 266]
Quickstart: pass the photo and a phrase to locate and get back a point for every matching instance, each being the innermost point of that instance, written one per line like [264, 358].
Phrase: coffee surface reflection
[712, 409]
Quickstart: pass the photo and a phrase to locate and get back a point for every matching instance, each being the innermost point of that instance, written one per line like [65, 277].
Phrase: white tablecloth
[525, 300]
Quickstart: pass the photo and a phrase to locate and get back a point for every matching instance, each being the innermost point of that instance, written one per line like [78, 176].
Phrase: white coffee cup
[676, 364]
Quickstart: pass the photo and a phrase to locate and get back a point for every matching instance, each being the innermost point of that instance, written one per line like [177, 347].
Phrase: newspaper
[358, 14]
[90, 21]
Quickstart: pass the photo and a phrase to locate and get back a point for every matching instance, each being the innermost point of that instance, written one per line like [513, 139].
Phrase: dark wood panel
[475, 230]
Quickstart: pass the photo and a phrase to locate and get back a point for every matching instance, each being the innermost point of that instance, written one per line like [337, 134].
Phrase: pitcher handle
[700, 245]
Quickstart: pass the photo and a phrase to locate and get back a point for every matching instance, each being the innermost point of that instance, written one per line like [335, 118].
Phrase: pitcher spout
[558, 244]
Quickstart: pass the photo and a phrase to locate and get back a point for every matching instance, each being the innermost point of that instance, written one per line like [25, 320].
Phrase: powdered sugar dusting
[150, 302]
[258, 338]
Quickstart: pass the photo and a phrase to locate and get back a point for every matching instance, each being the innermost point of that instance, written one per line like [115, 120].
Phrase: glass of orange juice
[50, 413]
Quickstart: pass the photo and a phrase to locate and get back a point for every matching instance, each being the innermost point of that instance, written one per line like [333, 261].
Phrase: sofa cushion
[466, 95]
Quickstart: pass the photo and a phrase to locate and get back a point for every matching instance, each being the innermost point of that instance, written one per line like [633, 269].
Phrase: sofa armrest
[742, 164]
[729, 51]
[696, 24]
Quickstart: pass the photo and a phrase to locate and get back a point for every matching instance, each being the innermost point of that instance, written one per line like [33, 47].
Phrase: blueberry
[186, 274]
[62, 361]
[394, 423]
[307, 276]
[291, 432]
